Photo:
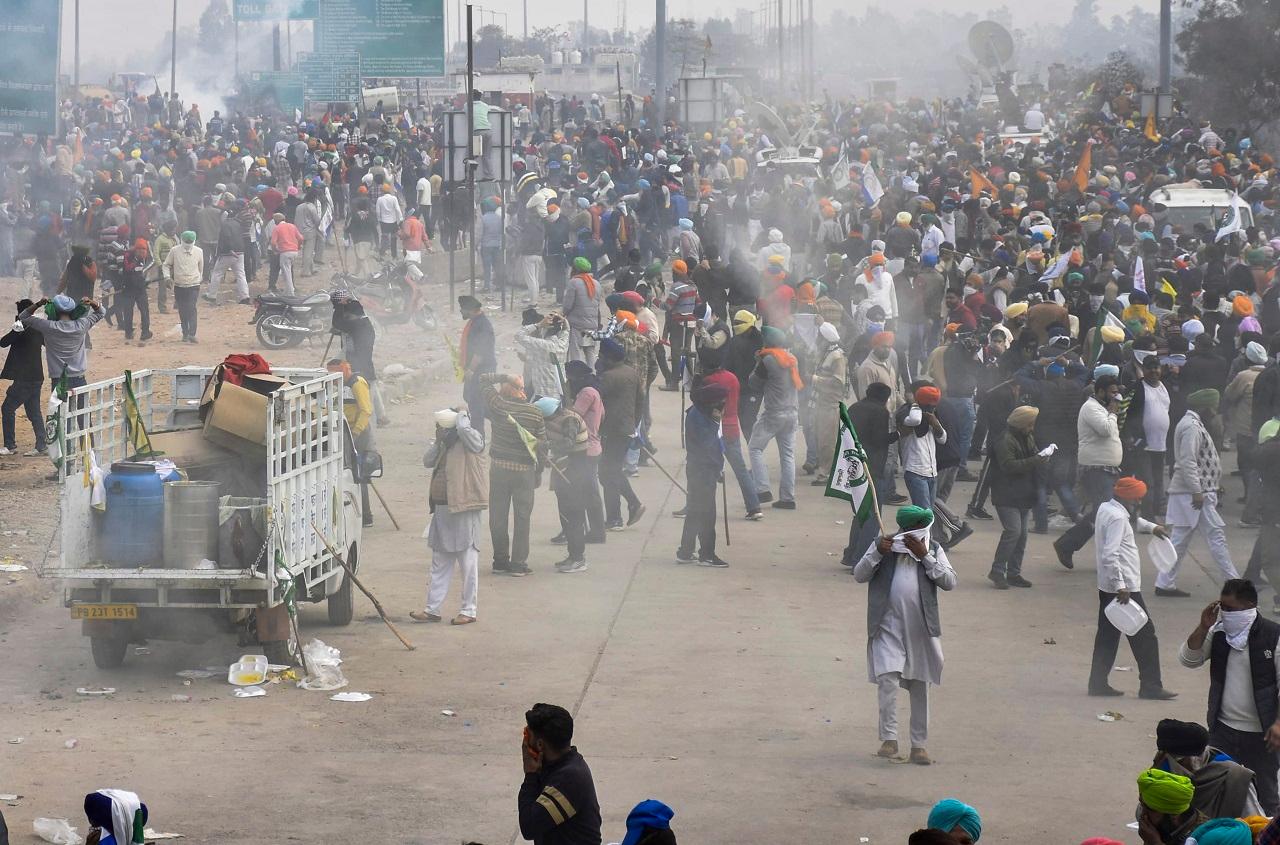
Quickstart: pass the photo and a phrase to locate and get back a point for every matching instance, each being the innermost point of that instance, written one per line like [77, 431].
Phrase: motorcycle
[395, 294]
[282, 322]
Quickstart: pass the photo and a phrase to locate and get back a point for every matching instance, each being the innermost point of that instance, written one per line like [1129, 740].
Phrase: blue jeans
[491, 258]
[1059, 477]
[768, 426]
[968, 415]
[733, 455]
[921, 489]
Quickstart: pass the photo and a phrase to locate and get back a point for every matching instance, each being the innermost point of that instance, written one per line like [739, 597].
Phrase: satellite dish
[991, 44]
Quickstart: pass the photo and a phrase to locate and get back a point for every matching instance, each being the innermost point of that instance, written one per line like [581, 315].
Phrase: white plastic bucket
[1162, 553]
[1128, 618]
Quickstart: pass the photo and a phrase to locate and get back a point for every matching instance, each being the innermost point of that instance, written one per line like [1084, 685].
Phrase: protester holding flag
[861, 449]
[517, 453]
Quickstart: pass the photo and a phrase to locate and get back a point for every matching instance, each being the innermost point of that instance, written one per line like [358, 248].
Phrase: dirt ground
[739, 697]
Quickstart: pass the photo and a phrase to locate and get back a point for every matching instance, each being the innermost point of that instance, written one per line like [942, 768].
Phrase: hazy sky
[108, 27]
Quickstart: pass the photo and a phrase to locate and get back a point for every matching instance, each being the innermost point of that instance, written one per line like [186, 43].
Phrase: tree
[1231, 48]
[217, 28]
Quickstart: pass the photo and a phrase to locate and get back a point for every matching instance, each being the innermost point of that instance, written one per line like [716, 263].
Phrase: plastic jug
[1128, 618]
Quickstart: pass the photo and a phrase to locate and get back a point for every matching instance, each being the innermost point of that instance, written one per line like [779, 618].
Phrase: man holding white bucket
[1120, 580]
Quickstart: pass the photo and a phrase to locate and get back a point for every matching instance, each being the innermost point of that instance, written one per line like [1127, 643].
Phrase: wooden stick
[354, 580]
[678, 485]
[378, 493]
[724, 498]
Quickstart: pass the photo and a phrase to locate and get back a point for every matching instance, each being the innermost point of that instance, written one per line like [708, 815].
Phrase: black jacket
[871, 421]
[558, 805]
[24, 362]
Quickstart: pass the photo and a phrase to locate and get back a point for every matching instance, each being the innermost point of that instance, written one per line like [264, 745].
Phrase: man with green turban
[184, 268]
[1164, 811]
[904, 649]
[1193, 491]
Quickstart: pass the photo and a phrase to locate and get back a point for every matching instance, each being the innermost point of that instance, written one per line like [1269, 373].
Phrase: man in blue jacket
[704, 463]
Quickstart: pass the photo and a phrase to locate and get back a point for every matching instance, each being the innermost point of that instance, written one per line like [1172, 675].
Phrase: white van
[1186, 206]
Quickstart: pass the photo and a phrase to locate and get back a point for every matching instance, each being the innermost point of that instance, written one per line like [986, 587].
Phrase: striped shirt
[507, 447]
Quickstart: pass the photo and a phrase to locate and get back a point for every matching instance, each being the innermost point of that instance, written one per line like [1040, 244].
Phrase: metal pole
[471, 147]
[173, 49]
[288, 28]
[586, 29]
[813, 57]
[275, 47]
[77, 69]
[660, 72]
[526, 20]
[235, 28]
[782, 47]
[1166, 51]
[618, 66]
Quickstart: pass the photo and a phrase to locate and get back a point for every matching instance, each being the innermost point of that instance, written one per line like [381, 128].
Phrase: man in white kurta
[904, 648]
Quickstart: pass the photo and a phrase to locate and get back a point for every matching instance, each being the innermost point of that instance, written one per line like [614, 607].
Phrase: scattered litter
[1110, 716]
[864, 839]
[839, 659]
[205, 563]
[250, 670]
[1124, 668]
[350, 696]
[9, 796]
[277, 667]
[195, 674]
[151, 836]
[673, 758]
[17, 740]
[71, 743]
[57, 831]
[447, 713]
[95, 691]
[831, 554]
[841, 522]
[1132, 825]
[12, 567]
[288, 674]
[21, 532]
[182, 698]
[1050, 641]
[141, 650]
[325, 663]
[249, 692]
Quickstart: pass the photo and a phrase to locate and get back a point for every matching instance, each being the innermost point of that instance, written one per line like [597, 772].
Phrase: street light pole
[660, 72]
[173, 50]
[77, 68]
[471, 147]
[1166, 50]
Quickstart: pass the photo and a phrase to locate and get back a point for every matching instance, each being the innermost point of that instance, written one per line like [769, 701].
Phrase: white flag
[840, 173]
[1139, 275]
[1059, 267]
[1235, 223]
[872, 190]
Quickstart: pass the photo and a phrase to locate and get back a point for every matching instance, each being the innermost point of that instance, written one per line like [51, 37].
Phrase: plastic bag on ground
[324, 664]
[57, 831]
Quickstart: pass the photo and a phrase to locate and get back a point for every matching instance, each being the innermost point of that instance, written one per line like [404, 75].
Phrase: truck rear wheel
[108, 652]
[342, 605]
[278, 652]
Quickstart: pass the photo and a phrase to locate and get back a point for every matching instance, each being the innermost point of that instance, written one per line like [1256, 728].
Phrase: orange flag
[1084, 168]
[979, 183]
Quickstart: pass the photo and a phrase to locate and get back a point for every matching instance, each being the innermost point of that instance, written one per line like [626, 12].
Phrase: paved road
[737, 696]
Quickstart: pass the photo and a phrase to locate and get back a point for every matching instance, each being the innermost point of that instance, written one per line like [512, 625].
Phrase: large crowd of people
[1023, 312]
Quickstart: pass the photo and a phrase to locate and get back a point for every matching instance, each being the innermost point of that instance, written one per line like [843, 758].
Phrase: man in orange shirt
[286, 240]
[413, 237]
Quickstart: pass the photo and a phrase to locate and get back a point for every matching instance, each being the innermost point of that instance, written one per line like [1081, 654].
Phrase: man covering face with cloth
[904, 648]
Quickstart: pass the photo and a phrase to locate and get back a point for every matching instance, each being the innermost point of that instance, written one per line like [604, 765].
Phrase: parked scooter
[395, 294]
[283, 321]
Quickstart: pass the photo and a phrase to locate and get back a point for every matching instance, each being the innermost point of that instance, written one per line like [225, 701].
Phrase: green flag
[849, 478]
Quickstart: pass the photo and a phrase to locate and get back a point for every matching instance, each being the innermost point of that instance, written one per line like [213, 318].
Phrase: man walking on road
[1193, 491]
[457, 494]
[517, 452]
[23, 366]
[1099, 454]
[1120, 580]
[1243, 652]
[904, 646]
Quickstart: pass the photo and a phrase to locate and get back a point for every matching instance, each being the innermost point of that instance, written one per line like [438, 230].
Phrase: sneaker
[500, 568]
[1060, 522]
[888, 748]
[669, 388]
[1250, 523]
[1039, 529]
[895, 499]
[977, 513]
[593, 540]
[808, 468]
[1018, 581]
[1064, 556]
[35, 453]
[959, 536]
[998, 581]
[145, 336]
[785, 505]
[965, 475]
[518, 570]
[755, 515]
[559, 540]
[680, 514]
[569, 565]
[636, 515]
[712, 561]
[5, 450]
[1157, 694]
[685, 557]
[614, 526]
[1172, 593]
[764, 498]
[631, 472]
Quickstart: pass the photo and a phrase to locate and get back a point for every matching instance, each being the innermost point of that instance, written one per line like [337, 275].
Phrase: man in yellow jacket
[357, 407]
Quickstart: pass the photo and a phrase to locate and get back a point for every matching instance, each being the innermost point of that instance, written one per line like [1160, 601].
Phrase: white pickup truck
[305, 475]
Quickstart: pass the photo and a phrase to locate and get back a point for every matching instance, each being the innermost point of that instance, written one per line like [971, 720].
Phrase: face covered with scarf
[913, 538]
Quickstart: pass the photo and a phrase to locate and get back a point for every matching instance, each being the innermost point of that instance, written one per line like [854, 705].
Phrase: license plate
[104, 611]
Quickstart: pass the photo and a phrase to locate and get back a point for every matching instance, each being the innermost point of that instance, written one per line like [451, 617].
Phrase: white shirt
[1033, 120]
[1098, 431]
[185, 265]
[388, 209]
[424, 191]
[1119, 567]
[1155, 416]
[920, 454]
[881, 291]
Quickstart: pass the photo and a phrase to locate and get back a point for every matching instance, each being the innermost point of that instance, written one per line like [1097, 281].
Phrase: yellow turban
[1110, 334]
[1016, 310]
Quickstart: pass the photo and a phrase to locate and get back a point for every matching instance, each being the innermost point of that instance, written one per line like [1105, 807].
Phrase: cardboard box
[237, 419]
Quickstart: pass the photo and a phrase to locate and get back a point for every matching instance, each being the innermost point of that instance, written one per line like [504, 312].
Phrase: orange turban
[928, 395]
[679, 267]
[628, 318]
[876, 258]
[1130, 489]
[1242, 306]
[882, 339]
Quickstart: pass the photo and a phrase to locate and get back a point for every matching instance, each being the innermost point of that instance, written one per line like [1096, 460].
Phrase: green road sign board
[276, 10]
[29, 66]
[331, 77]
[393, 37]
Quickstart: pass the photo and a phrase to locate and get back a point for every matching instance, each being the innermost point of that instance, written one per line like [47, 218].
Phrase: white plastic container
[1128, 618]
[1162, 553]
[249, 670]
